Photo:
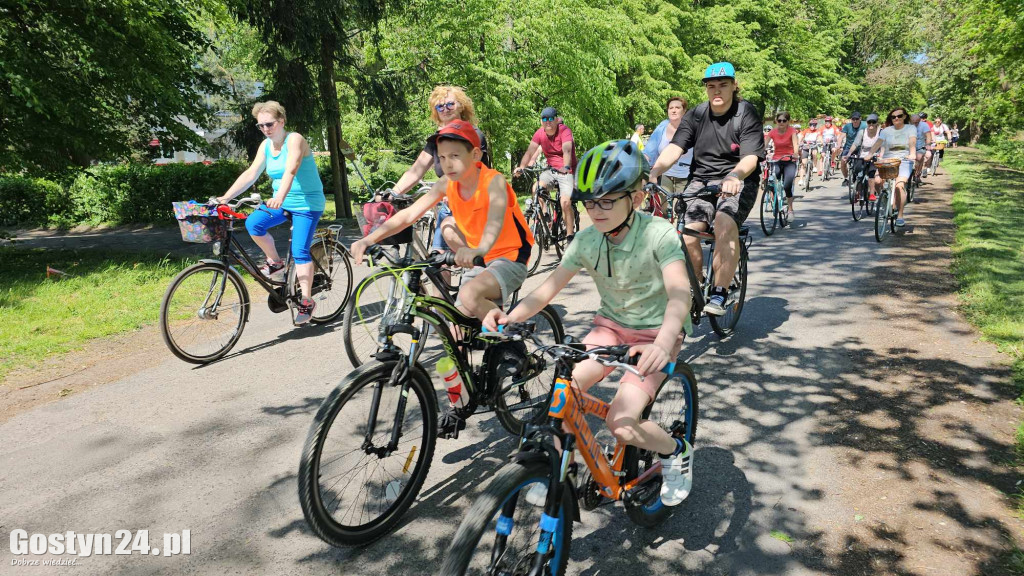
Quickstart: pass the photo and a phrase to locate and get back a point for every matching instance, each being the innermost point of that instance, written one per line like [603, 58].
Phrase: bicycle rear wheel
[332, 280]
[521, 389]
[675, 410]
[883, 209]
[376, 303]
[203, 312]
[725, 324]
[501, 532]
[353, 488]
[769, 212]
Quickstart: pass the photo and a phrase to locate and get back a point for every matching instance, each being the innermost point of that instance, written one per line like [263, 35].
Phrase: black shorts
[737, 207]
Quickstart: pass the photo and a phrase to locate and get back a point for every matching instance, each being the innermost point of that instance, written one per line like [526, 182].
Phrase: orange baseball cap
[457, 130]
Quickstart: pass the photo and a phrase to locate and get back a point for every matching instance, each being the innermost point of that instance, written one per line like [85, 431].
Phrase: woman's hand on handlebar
[494, 318]
[652, 358]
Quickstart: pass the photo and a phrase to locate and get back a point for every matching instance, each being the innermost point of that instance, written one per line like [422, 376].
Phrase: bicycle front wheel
[354, 486]
[725, 324]
[521, 389]
[376, 303]
[501, 533]
[539, 243]
[675, 410]
[203, 312]
[883, 208]
[769, 213]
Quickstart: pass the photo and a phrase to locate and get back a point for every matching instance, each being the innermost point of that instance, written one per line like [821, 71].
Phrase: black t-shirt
[431, 148]
[717, 148]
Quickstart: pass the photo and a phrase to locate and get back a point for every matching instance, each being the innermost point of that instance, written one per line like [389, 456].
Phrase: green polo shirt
[634, 295]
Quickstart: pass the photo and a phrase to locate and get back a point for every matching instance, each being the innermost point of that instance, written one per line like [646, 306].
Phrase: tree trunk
[329, 94]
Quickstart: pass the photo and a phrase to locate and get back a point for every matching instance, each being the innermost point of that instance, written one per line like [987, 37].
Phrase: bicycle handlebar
[434, 261]
[707, 191]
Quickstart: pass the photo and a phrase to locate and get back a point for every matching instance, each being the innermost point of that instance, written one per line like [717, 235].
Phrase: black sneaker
[846, 181]
[716, 303]
[304, 311]
[569, 239]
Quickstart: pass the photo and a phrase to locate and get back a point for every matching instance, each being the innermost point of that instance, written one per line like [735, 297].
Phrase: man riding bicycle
[555, 140]
[725, 136]
[830, 136]
[810, 144]
[850, 131]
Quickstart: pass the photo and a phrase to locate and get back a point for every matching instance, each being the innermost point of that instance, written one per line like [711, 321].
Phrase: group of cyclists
[635, 260]
[796, 154]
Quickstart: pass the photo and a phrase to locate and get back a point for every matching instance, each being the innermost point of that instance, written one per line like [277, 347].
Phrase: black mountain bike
[544, 217]
[372, 440]
[206, 306]
[726, 324]
[858, 189]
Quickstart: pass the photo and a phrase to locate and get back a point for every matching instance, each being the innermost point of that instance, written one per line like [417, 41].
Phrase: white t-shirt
[897, 142]
[867, 142]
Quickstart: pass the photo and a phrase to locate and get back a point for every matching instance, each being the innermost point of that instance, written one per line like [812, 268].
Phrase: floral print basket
[198, 222]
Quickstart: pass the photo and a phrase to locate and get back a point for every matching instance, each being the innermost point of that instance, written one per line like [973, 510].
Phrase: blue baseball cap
[719, 70]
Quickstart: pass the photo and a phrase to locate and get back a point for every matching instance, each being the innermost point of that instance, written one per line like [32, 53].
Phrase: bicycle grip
[224, 210]
[635, 359]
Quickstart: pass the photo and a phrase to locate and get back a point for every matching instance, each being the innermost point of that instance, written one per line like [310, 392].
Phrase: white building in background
[216, 137]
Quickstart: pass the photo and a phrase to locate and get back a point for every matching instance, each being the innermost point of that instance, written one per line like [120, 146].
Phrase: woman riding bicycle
[865, 141]
[899, 140]
[786, 141]
[447, 104]
[810, 148]
[298, 192]
[675, 178]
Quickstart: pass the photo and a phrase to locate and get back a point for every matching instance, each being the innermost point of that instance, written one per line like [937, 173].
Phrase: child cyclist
[637, 263]
[488, 220]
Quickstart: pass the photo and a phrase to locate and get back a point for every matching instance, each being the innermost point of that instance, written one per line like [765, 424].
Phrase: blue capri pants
[303, 228]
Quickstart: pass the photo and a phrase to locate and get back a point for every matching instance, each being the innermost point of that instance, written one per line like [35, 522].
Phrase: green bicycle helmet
[615, 166]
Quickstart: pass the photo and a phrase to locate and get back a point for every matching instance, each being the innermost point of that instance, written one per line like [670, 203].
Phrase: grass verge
[988, 257]
[103, 293]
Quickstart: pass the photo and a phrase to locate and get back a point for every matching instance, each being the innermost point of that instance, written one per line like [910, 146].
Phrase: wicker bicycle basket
[940, 145]
[888, 168]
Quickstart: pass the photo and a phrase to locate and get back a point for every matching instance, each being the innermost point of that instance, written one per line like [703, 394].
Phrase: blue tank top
[307, 192]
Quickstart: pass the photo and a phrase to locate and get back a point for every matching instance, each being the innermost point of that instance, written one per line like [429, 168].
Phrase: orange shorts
[610, 333]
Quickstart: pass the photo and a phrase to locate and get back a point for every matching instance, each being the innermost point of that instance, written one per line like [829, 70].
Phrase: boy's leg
[485, 288]
[624, 419]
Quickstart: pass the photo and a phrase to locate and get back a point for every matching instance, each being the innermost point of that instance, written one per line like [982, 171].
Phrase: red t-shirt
[783, 143]
[552, 146]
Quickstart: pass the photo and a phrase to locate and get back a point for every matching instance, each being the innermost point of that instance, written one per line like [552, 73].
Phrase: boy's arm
[535, 301]
[677, 285]
[400, 221]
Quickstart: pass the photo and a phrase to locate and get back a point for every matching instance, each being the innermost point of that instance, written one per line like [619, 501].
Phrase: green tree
[94, 80]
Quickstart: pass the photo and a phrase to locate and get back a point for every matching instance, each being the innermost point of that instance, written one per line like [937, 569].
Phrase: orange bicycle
[524, 539]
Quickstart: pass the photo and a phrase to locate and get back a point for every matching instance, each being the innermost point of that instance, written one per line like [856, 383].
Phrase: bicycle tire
[882, 210]
[332, 280]
[539, 243]
[768, 202]
[312, 495]
[176, 320]
[676, 400]
[467, 555]
[375, 302]
[423, 236]
[725, 324]
[859, 207]
[531, 397]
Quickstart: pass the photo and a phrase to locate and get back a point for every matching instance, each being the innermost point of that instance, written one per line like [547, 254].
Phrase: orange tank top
[514, 241]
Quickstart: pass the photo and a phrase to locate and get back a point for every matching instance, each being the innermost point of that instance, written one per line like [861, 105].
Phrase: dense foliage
[94, 81]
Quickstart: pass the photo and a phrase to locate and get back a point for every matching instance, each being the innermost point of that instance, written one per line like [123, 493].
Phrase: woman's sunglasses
[266, 125]
[872, 121]
[781, 120]
[445, 106]
[603, 203]
[898, 116]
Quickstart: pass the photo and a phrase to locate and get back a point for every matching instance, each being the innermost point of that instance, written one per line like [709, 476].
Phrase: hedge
[142, 193]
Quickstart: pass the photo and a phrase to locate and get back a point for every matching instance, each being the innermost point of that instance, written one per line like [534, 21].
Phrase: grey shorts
[737, 207]
[510, 276]
[565, 182]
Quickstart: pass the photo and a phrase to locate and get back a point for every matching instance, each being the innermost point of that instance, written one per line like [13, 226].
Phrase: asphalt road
[779, 454]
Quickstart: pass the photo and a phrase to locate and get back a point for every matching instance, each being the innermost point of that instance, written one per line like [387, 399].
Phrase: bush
[1008, 149]
[379, 169]
[115, 194]
[28, 200]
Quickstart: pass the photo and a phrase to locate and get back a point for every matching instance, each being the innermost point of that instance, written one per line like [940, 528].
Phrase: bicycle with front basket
[206, 306]
[372, 440]
[504, 534]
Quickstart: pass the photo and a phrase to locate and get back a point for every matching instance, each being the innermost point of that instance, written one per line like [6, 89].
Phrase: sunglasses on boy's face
[445, 106]
[603, 203]
[266, 125]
